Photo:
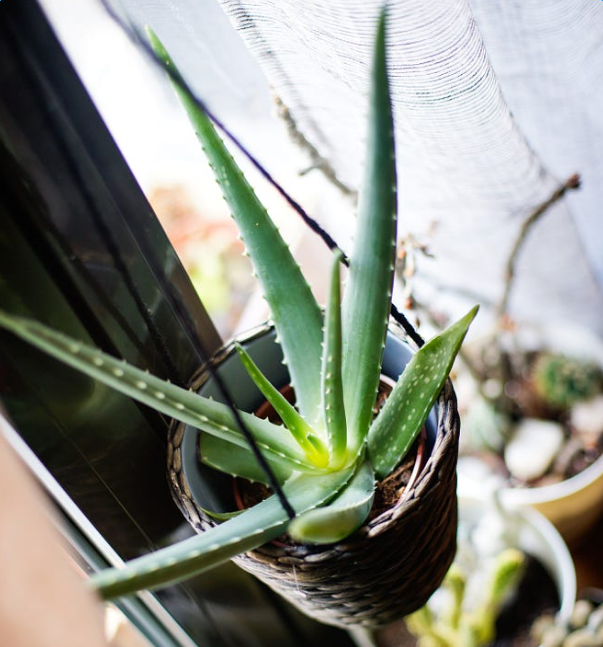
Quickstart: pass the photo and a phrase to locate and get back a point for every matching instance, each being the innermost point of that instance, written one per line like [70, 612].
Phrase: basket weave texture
[385, 570]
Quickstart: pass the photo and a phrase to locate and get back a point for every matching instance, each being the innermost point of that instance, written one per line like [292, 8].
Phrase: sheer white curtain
[496, 103]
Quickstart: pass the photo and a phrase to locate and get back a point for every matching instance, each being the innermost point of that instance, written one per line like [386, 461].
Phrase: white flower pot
[575, 504]
[536, 535]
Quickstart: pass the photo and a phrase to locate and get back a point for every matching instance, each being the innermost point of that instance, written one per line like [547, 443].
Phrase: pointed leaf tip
[294, 310]
[408, 406]
[367, 298]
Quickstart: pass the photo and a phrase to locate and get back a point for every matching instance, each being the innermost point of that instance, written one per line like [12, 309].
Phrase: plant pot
[527, 530]
[537, 536]
[574, 504]
[385, 570]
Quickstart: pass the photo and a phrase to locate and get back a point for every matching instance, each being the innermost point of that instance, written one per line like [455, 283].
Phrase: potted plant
[551, 397]
[531, 396]
[511, 566]
[324, 463]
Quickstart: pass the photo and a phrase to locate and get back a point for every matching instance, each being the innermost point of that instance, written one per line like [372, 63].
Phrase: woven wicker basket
[385, 570]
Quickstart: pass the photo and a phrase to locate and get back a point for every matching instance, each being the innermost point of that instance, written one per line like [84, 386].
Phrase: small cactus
[562, 381]
[450, 623]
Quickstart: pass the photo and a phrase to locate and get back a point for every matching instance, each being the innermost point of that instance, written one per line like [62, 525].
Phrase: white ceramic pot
[533, 533]
[575, 504]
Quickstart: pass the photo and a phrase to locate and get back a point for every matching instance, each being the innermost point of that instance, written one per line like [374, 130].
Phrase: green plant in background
[584, 627]
[332, 449]
[454, 622]
[562, 381]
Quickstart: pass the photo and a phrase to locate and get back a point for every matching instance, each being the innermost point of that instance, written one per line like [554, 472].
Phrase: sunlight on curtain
[495, 105]
[496, 102]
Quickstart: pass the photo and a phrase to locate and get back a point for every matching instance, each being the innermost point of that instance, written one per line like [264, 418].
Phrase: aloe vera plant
[332, 449]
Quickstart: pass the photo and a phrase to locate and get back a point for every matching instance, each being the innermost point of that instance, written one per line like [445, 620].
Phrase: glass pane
[81, 249]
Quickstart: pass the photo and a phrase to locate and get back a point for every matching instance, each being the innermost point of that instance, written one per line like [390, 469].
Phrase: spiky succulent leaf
[257, 525]
[340, 518]
[332, 383]
[222, 516]
[296, 425]
[367, 298]
[297, 316]
[212, 417]
[240, 461]
[408, 405]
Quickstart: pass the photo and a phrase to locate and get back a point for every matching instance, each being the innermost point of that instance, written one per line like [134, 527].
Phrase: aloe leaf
[293, 421]
[367, 298]
[332, 384]
[257, 525]
[212, 417]
[297, 316]
[339, 519]
[222, 516]
[408, 405]
[240, 461]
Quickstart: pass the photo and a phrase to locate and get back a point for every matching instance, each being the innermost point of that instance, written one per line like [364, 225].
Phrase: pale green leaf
[296, 315]
[257, 525]
[408, 405]
[332, 384]
[367, 297]
[299, 429]
[341, 517]
[240, 461]
[212, 417]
